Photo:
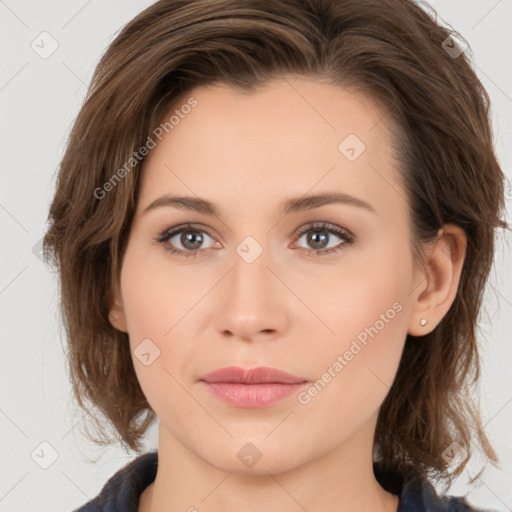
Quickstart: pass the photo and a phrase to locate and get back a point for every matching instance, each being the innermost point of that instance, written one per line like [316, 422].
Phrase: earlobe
[116, 314]
[439, 281]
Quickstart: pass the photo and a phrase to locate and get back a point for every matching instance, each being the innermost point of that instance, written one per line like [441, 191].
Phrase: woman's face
[260, 290]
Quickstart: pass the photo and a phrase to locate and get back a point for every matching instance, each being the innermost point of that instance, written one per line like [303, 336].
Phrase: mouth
[251, 388]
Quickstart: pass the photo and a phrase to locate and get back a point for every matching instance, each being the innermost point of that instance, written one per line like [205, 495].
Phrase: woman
[273, 224]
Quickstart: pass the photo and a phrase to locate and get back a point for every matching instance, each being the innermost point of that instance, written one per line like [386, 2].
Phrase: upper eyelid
[328, 226]
[183, 227]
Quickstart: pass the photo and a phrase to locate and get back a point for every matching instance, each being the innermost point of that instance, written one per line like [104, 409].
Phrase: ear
[116, 313]
[438, 282]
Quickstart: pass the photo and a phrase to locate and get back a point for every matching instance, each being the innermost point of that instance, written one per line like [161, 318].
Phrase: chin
[258, 456]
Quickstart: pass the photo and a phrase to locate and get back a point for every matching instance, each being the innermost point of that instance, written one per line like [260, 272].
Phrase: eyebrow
[297, 204]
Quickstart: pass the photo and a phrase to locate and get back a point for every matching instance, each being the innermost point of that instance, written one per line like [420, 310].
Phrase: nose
[251, 301]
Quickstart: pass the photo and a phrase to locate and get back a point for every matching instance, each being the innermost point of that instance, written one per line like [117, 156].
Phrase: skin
[287, 309]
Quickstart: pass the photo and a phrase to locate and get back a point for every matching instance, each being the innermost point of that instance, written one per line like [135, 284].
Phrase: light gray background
[39, 99]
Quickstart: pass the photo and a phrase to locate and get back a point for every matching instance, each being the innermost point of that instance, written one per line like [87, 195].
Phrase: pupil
[314, 237]
[191, 237]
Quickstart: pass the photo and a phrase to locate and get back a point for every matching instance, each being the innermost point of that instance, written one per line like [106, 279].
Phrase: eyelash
[344, 234]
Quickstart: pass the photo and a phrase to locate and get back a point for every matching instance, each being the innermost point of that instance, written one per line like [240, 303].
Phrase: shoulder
[123, 489]
[419, 494]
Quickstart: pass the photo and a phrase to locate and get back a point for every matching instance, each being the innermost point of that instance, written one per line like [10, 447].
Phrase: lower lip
[252, 395]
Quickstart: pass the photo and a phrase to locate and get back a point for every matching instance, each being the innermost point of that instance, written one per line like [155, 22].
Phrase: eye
[190, 237]
[319, 235]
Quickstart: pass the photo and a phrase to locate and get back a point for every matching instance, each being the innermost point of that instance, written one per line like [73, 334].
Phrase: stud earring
[423, 321]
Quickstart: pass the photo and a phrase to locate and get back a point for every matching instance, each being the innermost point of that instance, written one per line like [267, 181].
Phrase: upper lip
[259, 375]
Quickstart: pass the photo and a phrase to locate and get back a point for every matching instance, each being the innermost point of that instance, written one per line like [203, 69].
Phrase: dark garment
[122, 491]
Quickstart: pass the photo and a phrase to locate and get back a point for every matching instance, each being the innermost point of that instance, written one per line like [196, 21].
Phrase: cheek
[366, 297]
[156, 303]
[152, 298]
[152, 308]
[355, 372]
[368, 313]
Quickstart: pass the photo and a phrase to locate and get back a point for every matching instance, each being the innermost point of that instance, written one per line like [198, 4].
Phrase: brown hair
[393, 52]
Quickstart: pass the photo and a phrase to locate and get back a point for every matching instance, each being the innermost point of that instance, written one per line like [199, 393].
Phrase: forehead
[288, 137]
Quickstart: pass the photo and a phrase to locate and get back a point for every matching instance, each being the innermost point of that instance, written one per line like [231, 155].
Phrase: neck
[338, 480]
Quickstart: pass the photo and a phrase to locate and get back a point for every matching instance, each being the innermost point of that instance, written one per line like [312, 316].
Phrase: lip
[259, 375]
[253, 387]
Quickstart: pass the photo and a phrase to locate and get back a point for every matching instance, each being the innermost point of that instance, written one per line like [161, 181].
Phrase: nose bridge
[249, 301]
[250, 265]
